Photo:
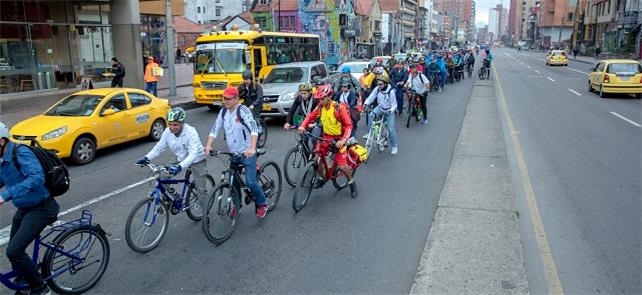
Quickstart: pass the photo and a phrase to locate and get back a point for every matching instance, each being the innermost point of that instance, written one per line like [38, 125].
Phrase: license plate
[625, 78]
[267, 107]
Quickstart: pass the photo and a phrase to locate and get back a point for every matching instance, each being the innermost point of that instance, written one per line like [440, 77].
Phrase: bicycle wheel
[294, 161]
[481, 73]
[340, 180]
[304, 187]
[89, 247]
[146, 216]
[262, 138]
[409, 114]
[382, 140]
[419, 113]
[271, 183]
[221, 213]
[370, 141]
[194, 203]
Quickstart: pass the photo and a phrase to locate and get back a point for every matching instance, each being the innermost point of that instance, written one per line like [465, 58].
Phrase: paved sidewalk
[474, 245]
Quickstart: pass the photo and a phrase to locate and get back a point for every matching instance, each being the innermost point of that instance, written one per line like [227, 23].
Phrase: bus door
[257, 61]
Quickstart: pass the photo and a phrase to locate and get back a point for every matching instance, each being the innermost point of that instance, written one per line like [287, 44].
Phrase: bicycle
[305, 183]
[484, 71]
[296, 158]
[378, 133]
[459, 72]
[434, 81]
[67, 255]
[162, 199]
[470, 69]
[414, 107]
[224, 203]
[262, 137]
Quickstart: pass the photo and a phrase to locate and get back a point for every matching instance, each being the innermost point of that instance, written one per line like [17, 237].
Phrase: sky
[482, 7]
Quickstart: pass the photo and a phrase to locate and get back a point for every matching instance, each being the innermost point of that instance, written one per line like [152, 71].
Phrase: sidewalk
[15, 110]
[474, 245]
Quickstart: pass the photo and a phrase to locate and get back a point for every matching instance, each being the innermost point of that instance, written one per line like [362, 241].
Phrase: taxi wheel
[156, 130]
[590, 87]
[84, 151]
[638, 95]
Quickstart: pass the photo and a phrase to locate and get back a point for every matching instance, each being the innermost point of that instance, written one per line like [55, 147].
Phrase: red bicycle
[306, 181]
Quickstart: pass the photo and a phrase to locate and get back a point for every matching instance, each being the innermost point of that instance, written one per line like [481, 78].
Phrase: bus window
[220, 58]
[258, 62]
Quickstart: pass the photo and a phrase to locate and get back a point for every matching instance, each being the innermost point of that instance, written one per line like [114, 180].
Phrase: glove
[175, 169]
[142, 161]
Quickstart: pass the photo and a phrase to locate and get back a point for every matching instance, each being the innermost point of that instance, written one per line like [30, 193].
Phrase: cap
[230, 91]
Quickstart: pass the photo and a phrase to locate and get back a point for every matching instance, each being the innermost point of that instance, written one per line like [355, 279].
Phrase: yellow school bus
[221, 58]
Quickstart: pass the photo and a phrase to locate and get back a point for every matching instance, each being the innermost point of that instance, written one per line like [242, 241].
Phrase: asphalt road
[371, 244]
[584, 163]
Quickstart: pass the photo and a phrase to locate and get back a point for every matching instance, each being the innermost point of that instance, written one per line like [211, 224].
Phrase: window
[262, 21]
[263, 2]
[608, 7]
[218, 10]
[198, 9]
[138, 99]
[116, 103]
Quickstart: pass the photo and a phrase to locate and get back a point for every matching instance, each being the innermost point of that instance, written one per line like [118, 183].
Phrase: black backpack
[56, 173]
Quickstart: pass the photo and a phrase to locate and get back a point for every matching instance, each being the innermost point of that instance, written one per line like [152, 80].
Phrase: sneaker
[318, 183]
[424, 121]
[261, 211]
[353, 189]
[439, 89]
[394, 150]
[44, 290]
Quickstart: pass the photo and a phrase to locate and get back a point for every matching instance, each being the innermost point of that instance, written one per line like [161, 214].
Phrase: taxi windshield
[76, 106]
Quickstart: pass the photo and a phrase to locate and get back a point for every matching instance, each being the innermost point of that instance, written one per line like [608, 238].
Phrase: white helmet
[4, 131]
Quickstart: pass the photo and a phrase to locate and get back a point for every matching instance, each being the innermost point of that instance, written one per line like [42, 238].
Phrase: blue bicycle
[148, 221]
[79, 252]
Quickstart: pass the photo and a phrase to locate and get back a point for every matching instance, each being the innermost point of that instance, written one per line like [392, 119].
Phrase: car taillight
[640, 79]
[606, 78]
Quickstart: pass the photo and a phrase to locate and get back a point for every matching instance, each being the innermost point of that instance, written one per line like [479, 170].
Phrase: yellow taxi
[88, 120]
[557, 57]
[616, 76]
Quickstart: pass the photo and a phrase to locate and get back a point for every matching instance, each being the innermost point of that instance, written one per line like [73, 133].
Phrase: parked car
[557, 57]
[616, 76]
[281, 85]
[88, 120]
[356, 67]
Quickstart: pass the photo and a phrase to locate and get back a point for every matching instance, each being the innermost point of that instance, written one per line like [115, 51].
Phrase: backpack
[56, 173]
[240, 118]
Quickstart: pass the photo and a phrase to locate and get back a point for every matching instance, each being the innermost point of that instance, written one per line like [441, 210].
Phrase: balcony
[627, 19]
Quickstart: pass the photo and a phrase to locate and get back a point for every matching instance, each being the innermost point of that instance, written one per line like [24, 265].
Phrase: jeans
[151, 88]
[250, 180]
[399, 93]
[117, 82]
[390, 120]
[26, 227]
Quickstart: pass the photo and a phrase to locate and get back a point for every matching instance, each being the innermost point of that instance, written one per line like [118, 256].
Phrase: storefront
[47, 44]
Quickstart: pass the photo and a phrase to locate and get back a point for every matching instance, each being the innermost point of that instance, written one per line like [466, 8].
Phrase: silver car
[282, 84]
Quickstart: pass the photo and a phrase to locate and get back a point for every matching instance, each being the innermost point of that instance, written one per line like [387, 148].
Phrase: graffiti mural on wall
[322, 18]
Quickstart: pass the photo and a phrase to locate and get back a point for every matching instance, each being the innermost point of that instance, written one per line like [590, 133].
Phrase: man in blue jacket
[35, 208]
[398, 77]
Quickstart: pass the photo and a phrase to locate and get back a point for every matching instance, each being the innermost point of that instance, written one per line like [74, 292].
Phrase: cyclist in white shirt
[418, 82]
[184, 142]
[384, 93]
[241, 133]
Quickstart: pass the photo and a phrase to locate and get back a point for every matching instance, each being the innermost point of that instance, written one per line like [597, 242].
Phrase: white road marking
[536, 71]
[509, 55]
[574, 70]
[571, 90]
[626, 119]
[5, 232]
[550, 79]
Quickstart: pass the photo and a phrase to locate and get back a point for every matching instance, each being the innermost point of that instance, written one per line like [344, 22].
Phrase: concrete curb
[474, 244]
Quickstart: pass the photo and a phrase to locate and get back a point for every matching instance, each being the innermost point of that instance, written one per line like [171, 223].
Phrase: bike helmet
[176, 114]
[4, 131]
[324, 91]
[247, 75]
[383, 79]
[305, 87]
[345, 70]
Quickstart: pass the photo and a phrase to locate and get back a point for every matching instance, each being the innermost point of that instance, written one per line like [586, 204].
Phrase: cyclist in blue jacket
[35, 208]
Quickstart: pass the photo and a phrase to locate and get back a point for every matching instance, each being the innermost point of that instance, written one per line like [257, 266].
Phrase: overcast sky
[482, 7]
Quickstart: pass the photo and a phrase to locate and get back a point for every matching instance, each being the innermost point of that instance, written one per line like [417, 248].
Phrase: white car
[356, 68]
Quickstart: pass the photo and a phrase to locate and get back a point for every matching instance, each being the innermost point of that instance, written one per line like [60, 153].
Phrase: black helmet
[247, 75]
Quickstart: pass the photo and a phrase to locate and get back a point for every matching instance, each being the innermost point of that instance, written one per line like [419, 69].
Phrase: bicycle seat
[260, 152]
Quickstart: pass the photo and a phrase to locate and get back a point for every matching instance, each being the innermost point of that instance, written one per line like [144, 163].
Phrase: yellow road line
[550, 270]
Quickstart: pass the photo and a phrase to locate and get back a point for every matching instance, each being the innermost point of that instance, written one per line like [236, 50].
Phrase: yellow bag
[360, 151]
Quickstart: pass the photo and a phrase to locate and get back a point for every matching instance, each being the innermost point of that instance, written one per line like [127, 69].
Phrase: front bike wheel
[382, 140]
[304, 186]
[85, 259]
[194, 203]
[410, 114]
[271, 183]
[481, 73]
[419, 113]
[262, 138]
[294, 162]
[146, 216]
[221, 214]
[370, 141]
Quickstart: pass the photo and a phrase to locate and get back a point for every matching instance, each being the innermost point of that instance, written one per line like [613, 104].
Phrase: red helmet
[324, 91]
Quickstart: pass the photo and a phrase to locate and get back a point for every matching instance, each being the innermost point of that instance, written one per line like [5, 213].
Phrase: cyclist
[251, 93]
[302, 106]
[185, 143]
[362, 83]
[441, 62]
[346, 77]
[434, 71]
[35, 208]
[348, 97]
[398, 77]
[241, 133]
[420, 84]
[488, 58]
[387, 105]
[470, 60]
[337, 125]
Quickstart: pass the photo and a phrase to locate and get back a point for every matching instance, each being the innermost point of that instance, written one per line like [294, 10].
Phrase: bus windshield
[220, 58]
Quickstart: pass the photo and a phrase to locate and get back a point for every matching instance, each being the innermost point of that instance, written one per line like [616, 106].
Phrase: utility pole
[170, 48]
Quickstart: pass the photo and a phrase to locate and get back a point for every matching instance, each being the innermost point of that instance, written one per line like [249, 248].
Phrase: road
[583, 157]
[371, 244]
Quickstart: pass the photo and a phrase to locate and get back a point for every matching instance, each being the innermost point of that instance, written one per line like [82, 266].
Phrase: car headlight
[287, 97]
[55, 133]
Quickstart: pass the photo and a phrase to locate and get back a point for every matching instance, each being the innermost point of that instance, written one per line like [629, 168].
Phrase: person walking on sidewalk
[119, 73]
[598, 50]
[575, 52]
[25, 187]
[151, 80]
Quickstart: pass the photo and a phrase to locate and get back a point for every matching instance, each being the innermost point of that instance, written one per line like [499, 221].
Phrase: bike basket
[360, 152]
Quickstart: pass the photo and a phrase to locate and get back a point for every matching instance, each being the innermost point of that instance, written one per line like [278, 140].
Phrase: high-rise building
[498, 21]
[458, 11]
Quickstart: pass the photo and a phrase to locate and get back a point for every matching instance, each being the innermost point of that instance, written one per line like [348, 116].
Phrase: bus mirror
[248, 57]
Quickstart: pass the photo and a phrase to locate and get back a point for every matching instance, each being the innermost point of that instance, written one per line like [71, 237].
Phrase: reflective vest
[331, 126]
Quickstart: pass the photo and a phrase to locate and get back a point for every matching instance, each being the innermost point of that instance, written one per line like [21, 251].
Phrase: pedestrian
[598, 50]
[25, 188]
[151, 76]
[119, 73]
[575, 52]
[179, 55]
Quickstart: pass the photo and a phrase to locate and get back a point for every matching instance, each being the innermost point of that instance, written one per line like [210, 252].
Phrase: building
[152, 28]
[402, 23]
[277, 15]
[556, 19]
[514, 17]
[213, 11]
[186, 32]
[458, 11]
[241, 21]
[482, 35]
[498, 22]
[629, 23]
[368, 43]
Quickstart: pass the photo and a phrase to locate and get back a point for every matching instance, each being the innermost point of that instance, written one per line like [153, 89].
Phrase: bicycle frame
[379, 120]
[160, 190]
[322, 160]
[85, 219]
